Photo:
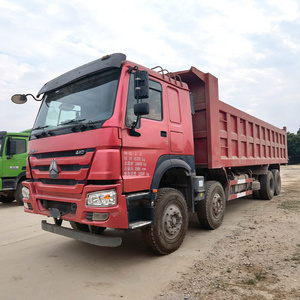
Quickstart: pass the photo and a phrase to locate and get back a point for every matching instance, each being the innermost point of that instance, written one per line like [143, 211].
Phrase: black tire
[211, 210]
[168, 230]
[256, 194]
[18, 194]
[267, 186]
[277, 181]
[85, 228]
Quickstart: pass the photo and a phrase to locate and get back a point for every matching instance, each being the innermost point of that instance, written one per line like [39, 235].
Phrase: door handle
[163, 133]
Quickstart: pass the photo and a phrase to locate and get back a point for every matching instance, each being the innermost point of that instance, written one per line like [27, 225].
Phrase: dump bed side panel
[246, 140]
[225, 136]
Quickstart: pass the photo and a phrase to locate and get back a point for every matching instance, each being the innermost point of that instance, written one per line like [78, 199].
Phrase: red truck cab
[113, 146]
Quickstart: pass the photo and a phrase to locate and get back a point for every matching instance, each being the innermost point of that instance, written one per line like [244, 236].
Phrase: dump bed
[225, 136]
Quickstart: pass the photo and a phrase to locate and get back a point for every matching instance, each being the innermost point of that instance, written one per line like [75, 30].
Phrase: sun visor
[109, 61]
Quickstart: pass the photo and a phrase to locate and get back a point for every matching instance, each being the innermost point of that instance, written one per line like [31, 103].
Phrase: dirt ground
[255, 254]
[260, 259]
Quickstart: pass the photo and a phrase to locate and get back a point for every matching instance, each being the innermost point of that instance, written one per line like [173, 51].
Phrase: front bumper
[72, 207]
[95, 239]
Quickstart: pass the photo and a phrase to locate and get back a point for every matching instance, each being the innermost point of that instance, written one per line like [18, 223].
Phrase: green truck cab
[13, 155]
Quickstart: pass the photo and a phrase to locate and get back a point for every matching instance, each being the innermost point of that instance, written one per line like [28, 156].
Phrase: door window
[15, 146]
[154, 100]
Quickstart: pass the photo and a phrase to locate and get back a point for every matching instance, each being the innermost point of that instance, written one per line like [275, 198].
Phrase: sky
[251, 46]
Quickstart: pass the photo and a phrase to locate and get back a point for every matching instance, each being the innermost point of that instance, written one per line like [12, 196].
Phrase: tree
[293, 143]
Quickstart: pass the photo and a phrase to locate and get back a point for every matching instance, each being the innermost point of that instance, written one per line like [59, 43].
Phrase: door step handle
[163, 133]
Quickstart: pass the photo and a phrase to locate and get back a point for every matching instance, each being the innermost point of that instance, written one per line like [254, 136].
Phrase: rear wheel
[256, 194]
[277, 181]
[267, 186]
[211, 210]
[168, 230]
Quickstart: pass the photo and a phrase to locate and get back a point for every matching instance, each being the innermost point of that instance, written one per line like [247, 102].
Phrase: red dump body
[231, 137]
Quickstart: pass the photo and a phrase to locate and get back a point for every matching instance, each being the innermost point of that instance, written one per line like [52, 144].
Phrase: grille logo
[79, 152]
[53, 169]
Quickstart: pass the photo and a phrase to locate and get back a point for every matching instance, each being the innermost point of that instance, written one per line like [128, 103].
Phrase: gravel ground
[260, 260]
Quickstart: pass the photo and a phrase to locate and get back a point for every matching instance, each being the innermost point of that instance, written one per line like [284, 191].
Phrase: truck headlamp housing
[25, 193]
[102, 199]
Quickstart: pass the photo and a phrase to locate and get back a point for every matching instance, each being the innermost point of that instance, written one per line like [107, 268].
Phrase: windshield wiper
[86, 126]
[73, 121]
[40, 127]
[41, 134]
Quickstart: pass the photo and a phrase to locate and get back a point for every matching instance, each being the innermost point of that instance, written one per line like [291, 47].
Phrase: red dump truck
[116, 145]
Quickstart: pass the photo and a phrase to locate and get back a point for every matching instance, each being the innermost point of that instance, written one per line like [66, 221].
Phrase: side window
[154, 100]
[21, 146]
[15, 146]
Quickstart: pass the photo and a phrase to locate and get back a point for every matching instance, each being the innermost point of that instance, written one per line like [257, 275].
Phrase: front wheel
[168, 230]
[18, 193]
[211, 210]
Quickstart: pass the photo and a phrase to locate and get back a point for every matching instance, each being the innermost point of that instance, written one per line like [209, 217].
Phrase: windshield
[87, 101]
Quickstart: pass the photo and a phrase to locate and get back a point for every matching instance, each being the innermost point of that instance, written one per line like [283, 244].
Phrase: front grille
[89, 216]
[80, 152]
[63, 168]
[63, 207]
[71, 167]
[60, 181]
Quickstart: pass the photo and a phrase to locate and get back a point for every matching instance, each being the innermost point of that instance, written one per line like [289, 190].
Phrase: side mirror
[141, 84]
[19, 99]
[141, 109]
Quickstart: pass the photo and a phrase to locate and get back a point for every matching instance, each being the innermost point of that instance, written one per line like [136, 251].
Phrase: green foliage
[293, 142]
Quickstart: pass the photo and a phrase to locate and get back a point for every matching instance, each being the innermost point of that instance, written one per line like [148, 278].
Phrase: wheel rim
[172, 221]
[217, 205]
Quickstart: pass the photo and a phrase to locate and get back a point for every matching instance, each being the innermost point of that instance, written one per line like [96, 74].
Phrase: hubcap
[217, 205]
[172, 221]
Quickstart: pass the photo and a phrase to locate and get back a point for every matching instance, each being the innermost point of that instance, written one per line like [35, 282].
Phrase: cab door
[14, 156]
[141, 152]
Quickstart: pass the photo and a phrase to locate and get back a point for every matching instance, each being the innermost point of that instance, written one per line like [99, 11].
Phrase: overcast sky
[252, 46]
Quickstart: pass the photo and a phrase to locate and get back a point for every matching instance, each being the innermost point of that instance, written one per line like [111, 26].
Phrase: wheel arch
[21, 177]
[175, 172]
[274, 167]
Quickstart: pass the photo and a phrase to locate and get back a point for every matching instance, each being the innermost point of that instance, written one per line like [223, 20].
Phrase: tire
[85, 228]
[277, 181]
[267, 186]
[18, 194]
[256, 194]
[169, 227]
[211, 210]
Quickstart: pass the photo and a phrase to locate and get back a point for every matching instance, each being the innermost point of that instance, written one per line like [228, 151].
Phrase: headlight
[102, 199]
[25, 193]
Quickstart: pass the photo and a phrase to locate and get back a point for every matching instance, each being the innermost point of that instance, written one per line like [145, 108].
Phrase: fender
[23, 174]
[167, 162]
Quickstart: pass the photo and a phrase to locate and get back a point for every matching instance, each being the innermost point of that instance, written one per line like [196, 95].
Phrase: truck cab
[13, 155]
